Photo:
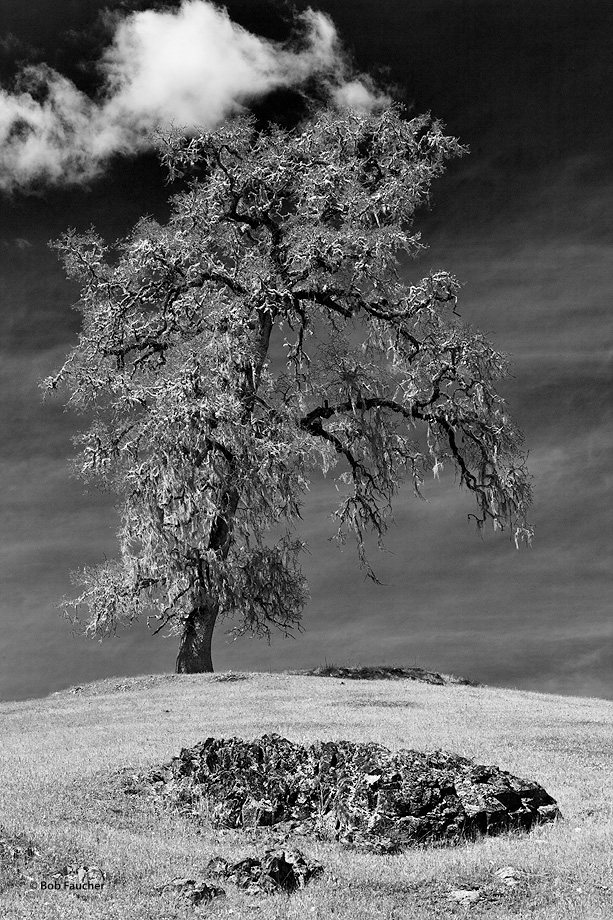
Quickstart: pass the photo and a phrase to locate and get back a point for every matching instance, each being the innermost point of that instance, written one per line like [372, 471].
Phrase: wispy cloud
[18, 242]
[191, 66]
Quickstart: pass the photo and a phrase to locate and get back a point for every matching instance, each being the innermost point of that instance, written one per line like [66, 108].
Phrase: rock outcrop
[362, 795]
[385, 672]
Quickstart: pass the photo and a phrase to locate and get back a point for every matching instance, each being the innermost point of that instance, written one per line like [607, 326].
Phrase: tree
[264, 333]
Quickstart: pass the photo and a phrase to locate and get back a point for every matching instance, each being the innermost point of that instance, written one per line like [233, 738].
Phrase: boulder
[277, 870]
[362, 795]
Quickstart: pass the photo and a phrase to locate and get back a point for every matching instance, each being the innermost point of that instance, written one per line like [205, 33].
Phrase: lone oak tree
[262, 334]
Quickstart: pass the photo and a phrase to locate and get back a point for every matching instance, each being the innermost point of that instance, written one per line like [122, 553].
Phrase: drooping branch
[494, 501]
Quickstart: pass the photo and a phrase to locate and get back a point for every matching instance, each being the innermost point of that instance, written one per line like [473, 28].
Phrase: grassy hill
[59, 794]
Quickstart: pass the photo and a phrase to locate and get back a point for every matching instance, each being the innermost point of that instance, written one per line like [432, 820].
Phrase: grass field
[59, 756]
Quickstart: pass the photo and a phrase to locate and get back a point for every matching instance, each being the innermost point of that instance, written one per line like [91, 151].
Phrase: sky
[524, 221]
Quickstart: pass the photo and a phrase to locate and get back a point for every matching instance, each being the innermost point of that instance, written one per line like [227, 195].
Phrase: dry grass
[59, 756]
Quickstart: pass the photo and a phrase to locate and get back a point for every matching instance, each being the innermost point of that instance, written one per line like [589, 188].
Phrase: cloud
[192, 67]
[19, 242]
[359, 94]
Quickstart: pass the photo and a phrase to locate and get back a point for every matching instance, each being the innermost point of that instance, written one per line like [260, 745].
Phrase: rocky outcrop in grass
[385, 672]
[362, 795]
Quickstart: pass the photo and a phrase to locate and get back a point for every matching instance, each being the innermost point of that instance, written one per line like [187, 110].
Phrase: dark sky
[524, 221]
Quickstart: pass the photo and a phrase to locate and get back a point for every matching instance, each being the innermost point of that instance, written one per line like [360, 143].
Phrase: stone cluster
[362, 795]
[277, 870]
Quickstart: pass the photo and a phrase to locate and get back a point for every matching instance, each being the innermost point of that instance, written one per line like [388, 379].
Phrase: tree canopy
[263, 333]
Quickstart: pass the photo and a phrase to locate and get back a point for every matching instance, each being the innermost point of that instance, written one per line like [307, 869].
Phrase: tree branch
[325, 299]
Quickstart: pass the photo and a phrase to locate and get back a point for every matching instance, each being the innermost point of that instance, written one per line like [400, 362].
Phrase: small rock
[216, 866]
[193, 891]
[465, 895]
[509, 875]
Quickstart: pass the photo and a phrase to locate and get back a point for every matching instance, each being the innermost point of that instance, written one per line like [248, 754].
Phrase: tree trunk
[195, 645]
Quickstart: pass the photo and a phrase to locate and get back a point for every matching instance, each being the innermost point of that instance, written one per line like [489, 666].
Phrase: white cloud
[360, 95]
[49, 138]
[195, 66]
[192, 67]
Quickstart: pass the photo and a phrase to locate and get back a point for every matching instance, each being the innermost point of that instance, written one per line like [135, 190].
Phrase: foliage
[260, 335]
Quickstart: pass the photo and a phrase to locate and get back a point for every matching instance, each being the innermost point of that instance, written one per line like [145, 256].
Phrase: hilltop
[62, 805]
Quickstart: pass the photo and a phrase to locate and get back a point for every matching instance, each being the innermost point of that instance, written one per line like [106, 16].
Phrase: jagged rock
[363, 795]
[277, 870]
[194, 892]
